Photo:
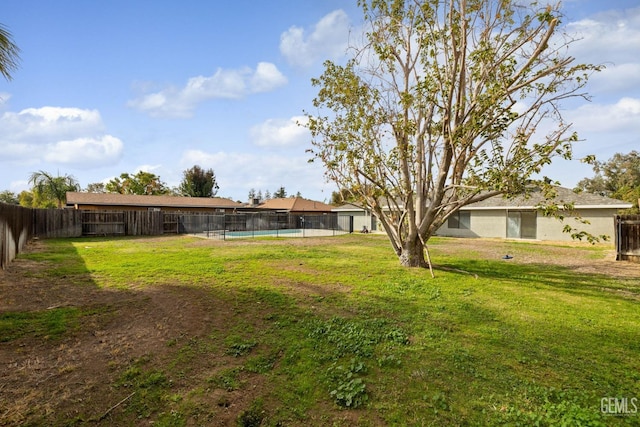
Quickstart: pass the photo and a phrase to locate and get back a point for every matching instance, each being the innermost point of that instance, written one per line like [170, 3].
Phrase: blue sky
[106, 87]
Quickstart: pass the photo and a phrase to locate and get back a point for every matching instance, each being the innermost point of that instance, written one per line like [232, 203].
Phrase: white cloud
[610, 36]
[328, 40]
[4, 99]
[63, 136]
[280, 133]
[615, 78]
[266, 78]
[83, 152]
[18, 186]
[611, 39]
[34, 124]
[623, 116]
[225, 84]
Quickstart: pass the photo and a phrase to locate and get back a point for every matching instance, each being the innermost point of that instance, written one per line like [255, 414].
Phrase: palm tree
[9, 53]
[49, 187]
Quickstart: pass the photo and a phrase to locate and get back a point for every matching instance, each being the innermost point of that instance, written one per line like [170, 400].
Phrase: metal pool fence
[258, 224]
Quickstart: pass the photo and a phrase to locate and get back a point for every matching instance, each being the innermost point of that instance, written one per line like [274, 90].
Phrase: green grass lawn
[340, 334]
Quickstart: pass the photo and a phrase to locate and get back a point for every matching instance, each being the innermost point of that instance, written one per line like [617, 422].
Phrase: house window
[521, 224]
[460, 219]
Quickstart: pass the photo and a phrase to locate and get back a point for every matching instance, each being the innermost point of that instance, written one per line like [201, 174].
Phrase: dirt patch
[48, 378]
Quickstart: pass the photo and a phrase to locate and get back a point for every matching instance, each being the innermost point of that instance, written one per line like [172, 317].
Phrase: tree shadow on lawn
[555, 276]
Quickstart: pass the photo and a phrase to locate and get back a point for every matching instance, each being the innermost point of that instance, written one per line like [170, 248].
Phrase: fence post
[616, 220]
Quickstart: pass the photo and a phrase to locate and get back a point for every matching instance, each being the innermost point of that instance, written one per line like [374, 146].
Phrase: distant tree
[344, 195]
[280, 193]
[618, 177]
[96, 187]
[253, 194]
[25, 198]
[49, 190]
[196, 182]
[298, 194]
[9, 53]
[143, 183]
[9, 197]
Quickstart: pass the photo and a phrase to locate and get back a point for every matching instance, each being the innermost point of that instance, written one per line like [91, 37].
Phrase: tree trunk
[412, 254]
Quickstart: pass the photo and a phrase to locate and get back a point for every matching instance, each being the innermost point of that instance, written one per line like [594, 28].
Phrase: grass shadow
[559, 277]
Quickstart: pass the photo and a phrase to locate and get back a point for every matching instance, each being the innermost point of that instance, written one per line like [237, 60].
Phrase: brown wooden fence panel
[122, 223]
[15, 231]
[627, 237]
[170, 223]
[143, 223]
[57, 223]
[103, 223]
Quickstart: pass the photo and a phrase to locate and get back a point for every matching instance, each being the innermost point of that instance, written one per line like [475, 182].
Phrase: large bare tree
[443, 104]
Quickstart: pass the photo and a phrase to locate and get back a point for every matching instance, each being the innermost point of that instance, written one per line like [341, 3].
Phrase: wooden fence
[122, 223]
[627, 237]
[18, 224]
[55, 223]
[15, 231]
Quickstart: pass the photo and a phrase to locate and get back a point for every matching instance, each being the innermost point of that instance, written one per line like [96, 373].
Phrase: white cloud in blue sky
[622, 116]
[63, 136]
[280, 133]
[110, 87]
[328, 40]
[174, 102]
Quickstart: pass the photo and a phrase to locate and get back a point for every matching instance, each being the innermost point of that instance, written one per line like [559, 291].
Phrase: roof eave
[531, 207]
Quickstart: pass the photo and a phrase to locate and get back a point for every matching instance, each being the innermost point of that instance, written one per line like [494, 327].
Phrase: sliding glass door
[521, 225]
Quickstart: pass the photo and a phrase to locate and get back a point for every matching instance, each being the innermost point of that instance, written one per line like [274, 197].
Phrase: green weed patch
[47, 324]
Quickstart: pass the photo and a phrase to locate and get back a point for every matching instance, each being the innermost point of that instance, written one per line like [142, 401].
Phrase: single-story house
[124, 202]
[362, 217]
[518, 218]
[295, 205]
[300, 212]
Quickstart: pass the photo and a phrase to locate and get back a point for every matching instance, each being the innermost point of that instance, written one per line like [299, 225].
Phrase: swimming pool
[289, 232]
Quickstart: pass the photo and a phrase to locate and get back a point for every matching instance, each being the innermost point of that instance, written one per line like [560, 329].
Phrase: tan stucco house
[518, 218]
[362, 217]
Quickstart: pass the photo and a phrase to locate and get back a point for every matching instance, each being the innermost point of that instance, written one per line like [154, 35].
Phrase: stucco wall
[360, 219]
[493, 223]
[484, 223]
[601, 222]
